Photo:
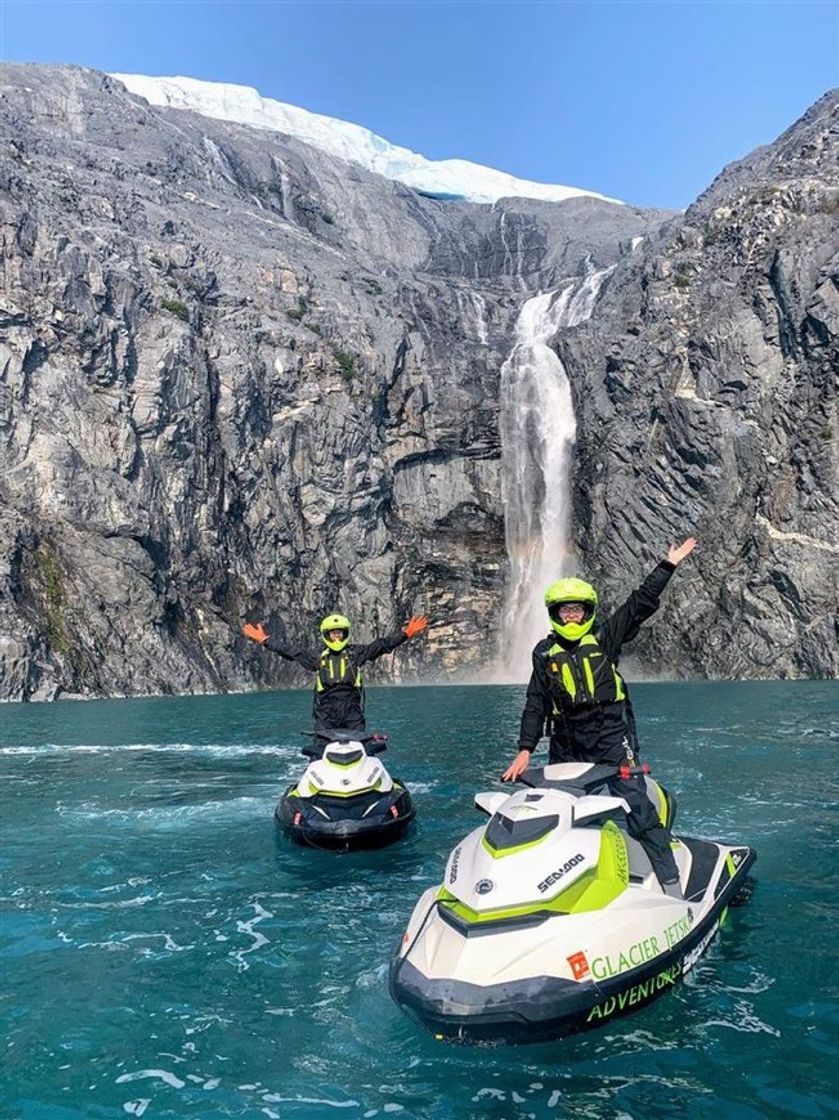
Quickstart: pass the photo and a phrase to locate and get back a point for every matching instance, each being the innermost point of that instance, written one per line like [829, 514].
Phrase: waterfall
[538, 430]
[473, 312]
[481, 318]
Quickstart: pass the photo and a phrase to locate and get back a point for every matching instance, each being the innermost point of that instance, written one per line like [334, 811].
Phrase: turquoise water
[165, 954]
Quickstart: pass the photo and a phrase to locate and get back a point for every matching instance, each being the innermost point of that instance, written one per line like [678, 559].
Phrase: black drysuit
[339, 690]
[576, 688]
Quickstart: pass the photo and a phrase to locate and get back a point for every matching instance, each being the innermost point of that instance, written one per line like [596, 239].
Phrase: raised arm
[257, 633]
[624, 624]
[380, 646]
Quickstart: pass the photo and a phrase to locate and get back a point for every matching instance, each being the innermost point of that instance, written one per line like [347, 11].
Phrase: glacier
[445, 179]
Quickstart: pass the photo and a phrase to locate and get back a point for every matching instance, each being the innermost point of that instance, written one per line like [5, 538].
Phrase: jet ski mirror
[490, 802]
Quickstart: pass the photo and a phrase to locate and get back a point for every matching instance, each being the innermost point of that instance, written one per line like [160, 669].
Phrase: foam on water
[170, 815]
[220, 750]
[206, 967]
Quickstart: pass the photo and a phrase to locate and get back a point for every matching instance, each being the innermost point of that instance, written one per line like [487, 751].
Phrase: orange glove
[257, 633]
[415, 625]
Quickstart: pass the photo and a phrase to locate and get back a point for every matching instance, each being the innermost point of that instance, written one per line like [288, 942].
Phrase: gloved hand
[257, 632]
[415, 625]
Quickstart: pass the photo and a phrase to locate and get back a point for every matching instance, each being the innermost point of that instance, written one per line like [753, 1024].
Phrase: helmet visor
[571, 612]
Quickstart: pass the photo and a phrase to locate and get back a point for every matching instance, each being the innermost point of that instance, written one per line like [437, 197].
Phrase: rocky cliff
[241, 378]
[706, 389]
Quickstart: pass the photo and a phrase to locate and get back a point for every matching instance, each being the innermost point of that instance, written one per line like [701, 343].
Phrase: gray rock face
[242, 379]
[706, 390]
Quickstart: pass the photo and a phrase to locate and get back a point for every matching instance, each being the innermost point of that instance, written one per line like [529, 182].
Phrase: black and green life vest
[582, 676]
[336, 669]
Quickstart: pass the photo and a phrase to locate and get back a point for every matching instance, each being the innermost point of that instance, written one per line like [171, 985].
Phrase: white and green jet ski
[550, 919]
[345, 799]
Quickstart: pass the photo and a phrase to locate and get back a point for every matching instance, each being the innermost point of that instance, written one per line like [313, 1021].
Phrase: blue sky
[645, 102]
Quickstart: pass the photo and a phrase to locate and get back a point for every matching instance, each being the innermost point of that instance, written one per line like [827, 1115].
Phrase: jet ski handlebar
[374, 742]
[588, 777]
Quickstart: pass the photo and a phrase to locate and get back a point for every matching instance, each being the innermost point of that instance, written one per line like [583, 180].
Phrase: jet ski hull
[543, 1008]
[357, 823]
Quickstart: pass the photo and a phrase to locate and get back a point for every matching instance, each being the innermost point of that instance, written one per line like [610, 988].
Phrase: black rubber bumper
[302, 824]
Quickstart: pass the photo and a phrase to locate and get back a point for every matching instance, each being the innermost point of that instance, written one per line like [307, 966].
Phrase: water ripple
[207, 968]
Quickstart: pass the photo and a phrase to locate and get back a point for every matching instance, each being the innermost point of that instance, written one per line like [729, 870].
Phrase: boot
[673, 888]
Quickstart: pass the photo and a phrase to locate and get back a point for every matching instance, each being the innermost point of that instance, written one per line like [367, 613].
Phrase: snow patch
[444, 179]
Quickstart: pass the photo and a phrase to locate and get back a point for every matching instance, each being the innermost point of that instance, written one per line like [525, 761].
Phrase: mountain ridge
[240, 380]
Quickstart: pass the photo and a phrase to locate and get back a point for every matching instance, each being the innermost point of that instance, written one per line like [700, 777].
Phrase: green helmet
[571, 591]
[335, 622]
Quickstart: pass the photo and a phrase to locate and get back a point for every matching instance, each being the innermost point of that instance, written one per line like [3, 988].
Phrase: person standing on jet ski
[576, 685]
[339, 690]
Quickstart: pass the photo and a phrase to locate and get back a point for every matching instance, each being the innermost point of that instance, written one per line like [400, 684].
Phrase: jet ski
[346, 799]
[550, 919]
